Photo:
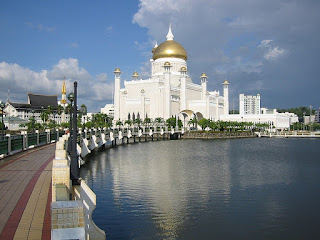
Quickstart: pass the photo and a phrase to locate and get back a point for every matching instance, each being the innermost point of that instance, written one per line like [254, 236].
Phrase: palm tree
[83, 112]
[119, 123]
[193, 121]
[158, 120]
[128, 122]
[137, 121]
[59, 111]
[147, 121]
[44, 116]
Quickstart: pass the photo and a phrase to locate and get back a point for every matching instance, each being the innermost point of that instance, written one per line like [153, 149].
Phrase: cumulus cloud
[240, 41]
[95, 92]
[271, 52]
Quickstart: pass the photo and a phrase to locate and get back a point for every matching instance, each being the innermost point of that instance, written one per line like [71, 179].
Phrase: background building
[250, 111]
[17, 113]
[108, 109]
[249, 104]
[317, 116]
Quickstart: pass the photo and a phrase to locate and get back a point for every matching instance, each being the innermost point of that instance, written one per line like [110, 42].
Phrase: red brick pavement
[28, 162]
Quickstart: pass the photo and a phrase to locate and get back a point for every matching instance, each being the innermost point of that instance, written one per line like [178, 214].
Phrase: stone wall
[217, 135]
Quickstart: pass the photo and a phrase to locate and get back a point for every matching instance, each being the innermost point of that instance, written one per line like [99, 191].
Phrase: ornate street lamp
[32, 120]
[70, 98]
[2, 106]
[74, 167]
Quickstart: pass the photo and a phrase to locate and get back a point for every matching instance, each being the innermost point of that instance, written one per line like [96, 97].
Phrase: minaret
[183, 89]
[117, 74]
[63, 100]
[167, 92]
[203, 86]
[143, 106]
[226, 97]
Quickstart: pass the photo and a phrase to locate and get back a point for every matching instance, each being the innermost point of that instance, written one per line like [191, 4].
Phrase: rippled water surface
[256, 188]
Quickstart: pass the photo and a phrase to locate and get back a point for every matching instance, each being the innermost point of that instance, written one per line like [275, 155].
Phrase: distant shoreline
[217, 135]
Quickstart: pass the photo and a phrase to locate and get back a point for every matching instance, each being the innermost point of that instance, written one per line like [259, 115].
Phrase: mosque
[169, 91]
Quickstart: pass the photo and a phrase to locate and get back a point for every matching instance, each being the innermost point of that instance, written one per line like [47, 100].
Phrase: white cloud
[95, 92]
[40, 27]
[271, 52]
[274, 53]
[74, 45]
[109, 29]
[102, 77]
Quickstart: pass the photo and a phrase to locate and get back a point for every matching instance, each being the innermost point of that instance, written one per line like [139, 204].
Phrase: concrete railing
[72, 206]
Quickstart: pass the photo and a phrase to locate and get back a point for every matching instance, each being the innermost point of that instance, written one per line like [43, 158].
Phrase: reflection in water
[192, 188]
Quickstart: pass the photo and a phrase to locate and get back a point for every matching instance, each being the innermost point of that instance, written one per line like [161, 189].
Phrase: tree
[137, 121]
[158, 120]
[147, 121]
[119, 123]
[44, 116]
[204, 123]
[128, 122]
[172, 122]
[193, 121]
[82, 112]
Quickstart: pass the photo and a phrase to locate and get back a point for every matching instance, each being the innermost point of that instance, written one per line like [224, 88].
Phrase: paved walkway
[25, 195]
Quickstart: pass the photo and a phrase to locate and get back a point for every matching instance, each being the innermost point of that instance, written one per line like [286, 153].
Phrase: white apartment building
[249, 104]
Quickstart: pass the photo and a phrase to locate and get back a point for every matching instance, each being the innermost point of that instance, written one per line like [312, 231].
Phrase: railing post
[57, 132]
[23, 140]
[38, 137]
[48, 135]
[9, 143]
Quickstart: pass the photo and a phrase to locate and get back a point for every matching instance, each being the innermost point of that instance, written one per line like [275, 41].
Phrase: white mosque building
[169, 91]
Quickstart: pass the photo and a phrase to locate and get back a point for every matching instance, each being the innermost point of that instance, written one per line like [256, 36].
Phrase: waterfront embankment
[217, 135]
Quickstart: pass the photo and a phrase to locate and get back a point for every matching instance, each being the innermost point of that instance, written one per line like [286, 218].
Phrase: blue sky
[266, 47]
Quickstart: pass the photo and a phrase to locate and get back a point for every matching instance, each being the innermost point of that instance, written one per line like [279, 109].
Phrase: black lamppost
[70, 98]
[32, 120]
[74, 168]
[2, 106]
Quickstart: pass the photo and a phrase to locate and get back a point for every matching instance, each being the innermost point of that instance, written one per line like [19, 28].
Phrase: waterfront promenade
[25, 194]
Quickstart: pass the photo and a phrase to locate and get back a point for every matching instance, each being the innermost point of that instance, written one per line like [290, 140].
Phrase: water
[257, 188]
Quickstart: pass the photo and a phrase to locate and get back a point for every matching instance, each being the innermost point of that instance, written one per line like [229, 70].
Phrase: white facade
[249, 104]
[108, 109]
[169, 91]
[269, 116]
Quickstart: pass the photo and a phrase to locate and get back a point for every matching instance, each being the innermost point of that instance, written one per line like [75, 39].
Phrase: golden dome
[203, 75]
[170, 49]
[135, 74]
[167, 64]
[117, 70]
[225, 82]
[183, 69]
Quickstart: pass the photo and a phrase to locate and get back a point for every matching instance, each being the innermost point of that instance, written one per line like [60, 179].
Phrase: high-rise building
[249, 104]
[317, 116]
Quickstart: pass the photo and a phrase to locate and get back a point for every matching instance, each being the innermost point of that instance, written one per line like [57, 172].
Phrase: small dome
[142, 90]
[117, 70]
[167, 64]
[225, 82]
[183, 69]
[135, 74]
[125, 92]
[203, 75]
